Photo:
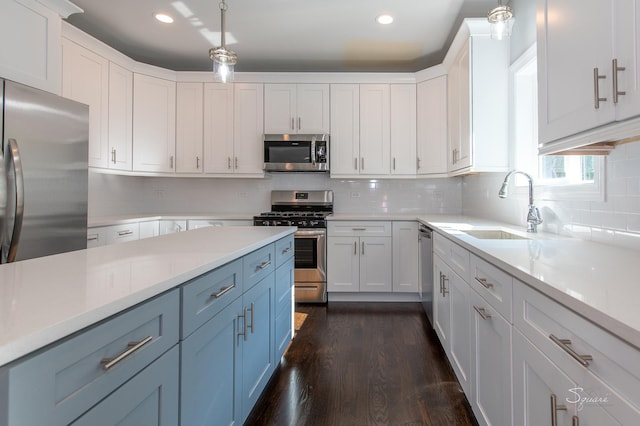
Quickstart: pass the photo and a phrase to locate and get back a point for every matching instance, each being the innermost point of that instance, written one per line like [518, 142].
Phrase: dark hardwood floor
[363, 364]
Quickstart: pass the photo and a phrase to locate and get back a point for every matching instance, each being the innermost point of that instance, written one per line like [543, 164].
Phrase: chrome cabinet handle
[484, 282]
[92, 238]
[197, 162]
[113, 155]
[356, 163]
[243, 333]
[16, 160]
[554, 410]
[223, 291]
[596, 88]
[394, 163]
[564, 345]
[263, 265]
[614, 76]
[362, 163]
[440, 282]
[125, 233]
[358, 229]
[363, 247]
[109, 363]
[485, 316]
[417, 163]
[444, 285]
[287, 250]
[355, 247]
[228, 162]
[299, 123]
[252, 309]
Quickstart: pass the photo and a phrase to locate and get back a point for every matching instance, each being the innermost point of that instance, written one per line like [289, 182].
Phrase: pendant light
[223, 59]
[500, 19]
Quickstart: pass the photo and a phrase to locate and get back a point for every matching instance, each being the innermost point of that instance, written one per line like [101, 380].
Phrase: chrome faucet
[533, 216]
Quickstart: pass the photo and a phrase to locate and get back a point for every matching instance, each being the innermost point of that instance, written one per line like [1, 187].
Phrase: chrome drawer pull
[444, 285]
[564, 345]
[554, 410]
[125, 233]
[244, 327]
[109, 363]
[483, 314]
[616, 92]
[252, 309]
[484, 282]
[223, 291]
[92, 238]
[264, 265]
[287, 250]
[358, 229]
[596, 88]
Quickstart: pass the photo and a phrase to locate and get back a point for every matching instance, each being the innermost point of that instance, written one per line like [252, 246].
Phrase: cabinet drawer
[284, 250]
[359, 228]
[257, 265]
[56, 386]
[205, 296]
[614, 362]
[97, 237]
[493, 284]
[122, 233]
[454, 255]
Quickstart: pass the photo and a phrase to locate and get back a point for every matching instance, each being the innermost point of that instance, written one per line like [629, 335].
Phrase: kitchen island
[176, 287]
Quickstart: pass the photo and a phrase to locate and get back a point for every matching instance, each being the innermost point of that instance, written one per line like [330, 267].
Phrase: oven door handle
[309, 233]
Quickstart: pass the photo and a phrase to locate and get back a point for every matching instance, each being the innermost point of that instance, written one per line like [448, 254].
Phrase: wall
[116, 195]
[616, 220]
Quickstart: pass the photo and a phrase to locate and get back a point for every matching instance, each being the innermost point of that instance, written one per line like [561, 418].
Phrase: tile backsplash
[616, 220]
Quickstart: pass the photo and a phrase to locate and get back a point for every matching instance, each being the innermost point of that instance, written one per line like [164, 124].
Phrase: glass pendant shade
[224, 60]
[500, 20]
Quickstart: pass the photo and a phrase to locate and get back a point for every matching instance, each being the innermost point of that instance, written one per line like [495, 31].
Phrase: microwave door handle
[15, 158]
[313, 151]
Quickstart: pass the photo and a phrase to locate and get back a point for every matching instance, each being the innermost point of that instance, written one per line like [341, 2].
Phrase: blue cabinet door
[257, 344]
[150, 398]
[211, 368]
[284, 307]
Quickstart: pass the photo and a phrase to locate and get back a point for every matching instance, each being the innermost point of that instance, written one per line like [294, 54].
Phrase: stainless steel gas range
[308, 211]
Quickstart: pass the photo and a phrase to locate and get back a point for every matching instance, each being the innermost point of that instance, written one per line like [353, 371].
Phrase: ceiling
[282, 35]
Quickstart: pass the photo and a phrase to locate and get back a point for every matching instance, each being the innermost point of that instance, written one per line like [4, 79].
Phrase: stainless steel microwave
[296, 153]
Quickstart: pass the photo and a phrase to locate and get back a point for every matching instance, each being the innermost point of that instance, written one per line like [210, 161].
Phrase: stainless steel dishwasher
[426, 270]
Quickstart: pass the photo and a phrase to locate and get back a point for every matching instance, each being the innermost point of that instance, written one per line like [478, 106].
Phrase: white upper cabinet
[120, 117]
[154, 124]
[579, 85]
[218, 128]
[375, 136]
[189, 127]
[478, 71]
[345, 129]
[296, 108]
[30, 50]
[432, 126]
[248, 122]
[403, 129]
[85, 78]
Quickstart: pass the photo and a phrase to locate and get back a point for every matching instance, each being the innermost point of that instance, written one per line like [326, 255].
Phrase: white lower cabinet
[405, 257]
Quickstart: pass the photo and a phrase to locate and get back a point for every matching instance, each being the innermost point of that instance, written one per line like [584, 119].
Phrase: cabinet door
[442, 303]
[535, 380]
[284, 307]
[568, 52]
[30, 44]
[257, 347]
[85, 78]
[149, 398]
[375, 137]
[247, 129]
[280, 108]
[154, 124]
[403, 129]
[459, 85]
[491, 397]
[627, 52]
[432, 126]
[345, 129]
[189, 127]
[218, 128]
[120, 117]
[343, 264]
[211, 371]
[312, 104]
[405, 257]
[375, 264]
[460, 333]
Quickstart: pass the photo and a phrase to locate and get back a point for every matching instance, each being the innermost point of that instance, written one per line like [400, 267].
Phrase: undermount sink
[493, 234]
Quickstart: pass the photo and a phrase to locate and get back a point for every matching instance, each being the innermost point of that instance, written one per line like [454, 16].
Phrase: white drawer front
[493, 284]
[122, 233]
[457, 257]
[613, 361]
[359, 228]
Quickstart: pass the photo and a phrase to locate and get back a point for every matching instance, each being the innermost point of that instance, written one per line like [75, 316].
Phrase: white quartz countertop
[598, 281]
[43, 300]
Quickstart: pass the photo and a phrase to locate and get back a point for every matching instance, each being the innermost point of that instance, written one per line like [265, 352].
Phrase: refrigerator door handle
[14, 158]
[3, 198]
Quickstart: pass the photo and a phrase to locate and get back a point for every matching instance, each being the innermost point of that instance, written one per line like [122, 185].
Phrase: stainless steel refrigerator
[43, 173]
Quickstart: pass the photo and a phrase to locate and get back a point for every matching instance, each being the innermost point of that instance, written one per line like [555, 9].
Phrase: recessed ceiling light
[163, 18]
[384, 19]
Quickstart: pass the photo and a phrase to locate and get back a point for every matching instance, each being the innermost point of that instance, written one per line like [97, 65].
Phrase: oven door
[310, 265]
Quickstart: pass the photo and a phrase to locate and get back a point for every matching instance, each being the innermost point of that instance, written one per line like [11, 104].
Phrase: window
[556, 177]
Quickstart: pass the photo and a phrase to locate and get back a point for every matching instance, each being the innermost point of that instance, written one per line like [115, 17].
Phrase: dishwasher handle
[425, 232]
